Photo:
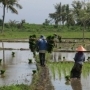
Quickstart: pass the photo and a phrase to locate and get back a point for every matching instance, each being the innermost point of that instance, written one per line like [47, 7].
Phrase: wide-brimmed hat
[80, 48]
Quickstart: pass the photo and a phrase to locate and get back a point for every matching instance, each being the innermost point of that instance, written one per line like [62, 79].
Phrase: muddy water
[15, 45]
[59, 56]
[60, 83]
[58, 78]
[17, 69]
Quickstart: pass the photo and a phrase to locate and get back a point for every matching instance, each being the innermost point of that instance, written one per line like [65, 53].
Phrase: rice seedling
[30, 61]
[13, 54]
[34, 71]
[88, 58]
[52, 68]
[2, 72]
[0, 61]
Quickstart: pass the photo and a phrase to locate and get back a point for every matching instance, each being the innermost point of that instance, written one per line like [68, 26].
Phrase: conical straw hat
[80, 48]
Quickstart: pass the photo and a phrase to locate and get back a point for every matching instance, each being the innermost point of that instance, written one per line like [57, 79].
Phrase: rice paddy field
[58, 72]
[59, 62]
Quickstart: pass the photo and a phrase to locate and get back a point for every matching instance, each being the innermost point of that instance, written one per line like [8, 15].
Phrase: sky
[33, 11]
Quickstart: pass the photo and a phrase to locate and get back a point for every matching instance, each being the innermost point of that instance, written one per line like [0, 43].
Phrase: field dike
[41, 79]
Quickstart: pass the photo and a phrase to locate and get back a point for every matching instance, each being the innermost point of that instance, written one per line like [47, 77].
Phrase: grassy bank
[12, 31]
[15, 87]
[24, 35]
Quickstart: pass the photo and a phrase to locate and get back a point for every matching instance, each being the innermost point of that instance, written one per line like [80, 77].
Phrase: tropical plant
[20, 25]
[81, 14]
[32, 44]
[51, 43]
[9, 5]
[46, 22]
[57, 14]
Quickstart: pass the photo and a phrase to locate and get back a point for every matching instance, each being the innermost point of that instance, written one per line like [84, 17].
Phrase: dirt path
[44, 82]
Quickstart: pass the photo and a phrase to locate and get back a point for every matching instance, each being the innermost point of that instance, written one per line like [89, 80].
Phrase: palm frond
[18, 5]
[13, 10]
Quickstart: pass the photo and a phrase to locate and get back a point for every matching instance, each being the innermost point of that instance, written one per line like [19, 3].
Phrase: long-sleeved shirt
[79, 57]
[42, 44]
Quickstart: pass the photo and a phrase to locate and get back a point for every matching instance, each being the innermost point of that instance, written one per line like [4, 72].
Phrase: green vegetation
[2, 72]
[0, 61]
[68, 23]
[25, 87]
[15, 87]
[9, 4]
[30, 29]
[30, 61]
[13, 54]
[61, 67]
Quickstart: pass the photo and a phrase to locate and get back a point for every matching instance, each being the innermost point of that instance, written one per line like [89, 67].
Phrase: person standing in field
[79, 60]
[56, 40]
[42, 47]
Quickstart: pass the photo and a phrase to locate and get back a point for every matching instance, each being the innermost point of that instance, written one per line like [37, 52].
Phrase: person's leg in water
[76, 71]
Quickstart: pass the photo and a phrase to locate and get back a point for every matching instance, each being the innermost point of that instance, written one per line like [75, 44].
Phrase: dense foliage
[51, 43]
[32, 44]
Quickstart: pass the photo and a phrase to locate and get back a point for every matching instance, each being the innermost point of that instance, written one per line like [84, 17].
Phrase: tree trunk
[3, 53]
[83, 31]
[3, 19]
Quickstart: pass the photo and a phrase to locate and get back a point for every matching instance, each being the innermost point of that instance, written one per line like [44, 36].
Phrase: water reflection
[17, 69]
[65, 56]
[76, 84]
[59, 70]
[15, 45]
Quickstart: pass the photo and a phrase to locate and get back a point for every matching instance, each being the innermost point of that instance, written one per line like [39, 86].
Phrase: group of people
[79, 58]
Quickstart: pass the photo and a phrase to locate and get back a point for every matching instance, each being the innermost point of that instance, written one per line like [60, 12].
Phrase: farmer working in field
[42, 46]
[79, 59]
[57, 39]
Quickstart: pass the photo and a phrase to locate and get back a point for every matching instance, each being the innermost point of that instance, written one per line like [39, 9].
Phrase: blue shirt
[79, 57]
[42, 44]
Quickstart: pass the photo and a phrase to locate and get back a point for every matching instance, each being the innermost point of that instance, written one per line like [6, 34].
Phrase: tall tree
[9, 4]
[63, 14]
[58, 8]
[57, 14]
[77, 6]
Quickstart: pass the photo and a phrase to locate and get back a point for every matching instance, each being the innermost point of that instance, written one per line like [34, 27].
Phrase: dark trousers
[42, 58]
[76, 71]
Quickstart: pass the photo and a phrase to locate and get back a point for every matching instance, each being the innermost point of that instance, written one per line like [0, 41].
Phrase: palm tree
[57, 14]
[9, 5]
[77, 6]
[63, 14]
[58, 8]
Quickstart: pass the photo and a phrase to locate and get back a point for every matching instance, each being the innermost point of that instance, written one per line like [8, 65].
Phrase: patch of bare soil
[44, 82]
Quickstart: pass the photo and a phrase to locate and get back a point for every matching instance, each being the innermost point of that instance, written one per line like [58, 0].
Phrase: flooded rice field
[14, 45]
[66, 56]
[19, 71]
[58, 71]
